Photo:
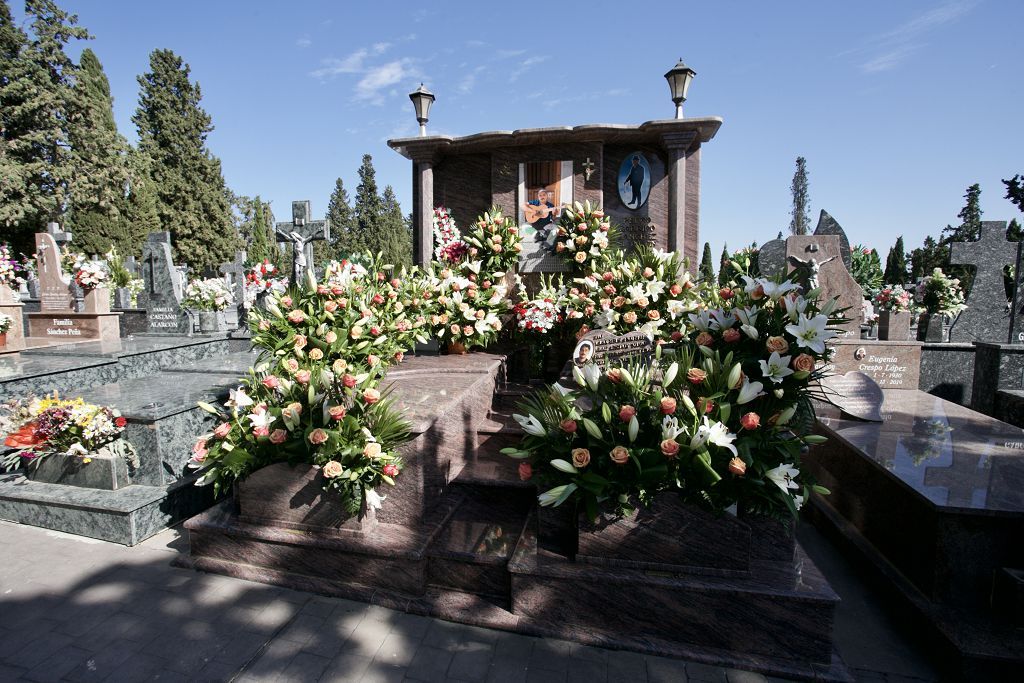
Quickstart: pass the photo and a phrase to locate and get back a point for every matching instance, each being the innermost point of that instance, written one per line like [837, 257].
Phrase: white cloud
[469, 80]
[381, 77]
[890, 49]
[303, 42]
[526, 65]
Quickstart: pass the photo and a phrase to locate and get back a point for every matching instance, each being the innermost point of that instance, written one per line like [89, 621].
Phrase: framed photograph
[634, 181]
[583, 353]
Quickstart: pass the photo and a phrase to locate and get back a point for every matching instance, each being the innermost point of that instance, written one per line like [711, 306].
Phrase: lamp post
[679, 78]
[421, 101]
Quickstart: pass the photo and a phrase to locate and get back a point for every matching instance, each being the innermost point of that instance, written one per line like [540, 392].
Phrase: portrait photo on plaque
[634, 180]
[583, 353]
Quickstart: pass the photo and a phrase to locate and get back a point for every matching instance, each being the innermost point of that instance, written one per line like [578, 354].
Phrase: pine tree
[724, 274]
[368, 211]
[1015, 190]
[925, 259]
[100, 166]
[896, 264]
[706, 272]
[397, 231]
[192, 200]
[340, 214]
[800, 223]
[36, 77]
[969, 230]
[139, 206]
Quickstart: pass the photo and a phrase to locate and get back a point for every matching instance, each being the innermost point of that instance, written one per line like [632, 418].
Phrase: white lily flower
[655, 288]
[776, 368]
[776, 290]
[604, 319]
[238, 398]
[675, 308]
[749, 391]
[795, 306]
[810, 333]
[720, 320]
[783, 476]
[374, 500]
[798, 501]
[530, 424]
[636, 291]
[551, 496]
[701, 320]
[651, 328]
[670, 428]
[747, 317]
[591, 374]
[260, 417]
[717, 434]
[663, 256]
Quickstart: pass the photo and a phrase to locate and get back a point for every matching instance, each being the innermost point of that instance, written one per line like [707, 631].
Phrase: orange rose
[619, 455]
[696, 375]
[580, 457]
[803, 363]
[777, 345]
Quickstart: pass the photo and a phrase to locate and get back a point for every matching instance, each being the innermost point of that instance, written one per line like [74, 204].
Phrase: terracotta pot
[457, 349]
[893, 326]
[97, 300]
[3, 340]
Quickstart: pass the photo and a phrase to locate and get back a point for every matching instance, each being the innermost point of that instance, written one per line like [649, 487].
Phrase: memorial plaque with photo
[891, 364]
[856, 394]
[601, 346]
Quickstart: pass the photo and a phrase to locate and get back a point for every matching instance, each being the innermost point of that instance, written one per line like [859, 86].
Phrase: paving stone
[276, 614]
[346, 668]
[665, 670]
[216, 672]
[274, 659]
[626, 666]
[380, 673]
[56, 667]
[100, 665]
[430, 664]
[508, 670]
[472, 662]
[303, 628]
[171, 677]
[588, 652]
[545, 676]
[445, 634]
[319, 607]
[240, 649]
[139, 667]
[587, 671]
[397, 650]
[514, 645]
[740, 676]
[411, 625]
[38, 650]
[705, 672]
[551, 654]
[304, 667]
[366, 640]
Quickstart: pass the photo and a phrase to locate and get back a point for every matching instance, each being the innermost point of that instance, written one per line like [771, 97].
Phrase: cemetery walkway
[78, 609]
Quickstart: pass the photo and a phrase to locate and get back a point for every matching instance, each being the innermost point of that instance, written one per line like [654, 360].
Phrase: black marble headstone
[161, 296]
[771, 259]
[987, 317]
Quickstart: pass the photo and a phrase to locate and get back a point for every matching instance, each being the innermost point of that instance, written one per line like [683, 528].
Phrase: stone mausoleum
[469, 174]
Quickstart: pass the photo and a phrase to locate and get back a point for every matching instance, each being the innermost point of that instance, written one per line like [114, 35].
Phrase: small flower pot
[209, 321]
[33, 289]
[3, 340]
[457, 349]
[894, 326]
[122, 298]
[929, 327]
[97, 300]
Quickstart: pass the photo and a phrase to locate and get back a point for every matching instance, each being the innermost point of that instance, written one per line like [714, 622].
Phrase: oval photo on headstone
[634, 180]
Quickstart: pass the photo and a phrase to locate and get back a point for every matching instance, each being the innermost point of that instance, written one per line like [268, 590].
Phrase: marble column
[423, 209]
[677, 145]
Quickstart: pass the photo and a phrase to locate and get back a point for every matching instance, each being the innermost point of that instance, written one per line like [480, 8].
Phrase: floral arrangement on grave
[467, 306]
[939, 294]
[448, 244]
[212, 294]
[893, 299]
[544, 313]
[650, 292]
[71, 260]
[28, 266]
[5, 323]
[12, 273]
[91, 275]
[495, 243]
[583, 237]
[121, 277]
[866, 268]
[43, 427]
[313, 396]
[722, 422]
[262, 278]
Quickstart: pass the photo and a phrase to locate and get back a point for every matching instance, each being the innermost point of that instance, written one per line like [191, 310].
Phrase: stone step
[128, 515]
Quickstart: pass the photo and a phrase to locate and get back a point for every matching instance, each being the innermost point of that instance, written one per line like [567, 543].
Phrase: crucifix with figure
[301, 233]
[986, 317]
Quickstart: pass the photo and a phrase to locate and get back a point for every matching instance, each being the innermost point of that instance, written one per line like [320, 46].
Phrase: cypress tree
[397, 231]
[340, 214]
[192, 200]
[800, 223]
[139, 206]
[896, 264]
[706, 272]
[969, 230]
[36, 77]
[368, 211]
[261, 240]
[100, 166]
[723, 267]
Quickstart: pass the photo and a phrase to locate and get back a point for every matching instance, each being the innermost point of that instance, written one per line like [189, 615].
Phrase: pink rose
[391, 469]
[278, 436]
[331, 337]
[286, 301]
[737, 467]
[525, 471]
[333, 469]
[668, 405]
[619, 455]
[696, 375]
[331, 306]
[271, 382]
[356, 332]
[568, 426]
[629, 317]
[726, 293]
[731, 335]
[317, 436]
[777, 345]
[300, 341]
[336, 412]
[291, 365]
[372, 450]
[264, 325]
[222, 430]
[261, 431]
[371, 396]
[626, 413]
[803, 363]
[580, 457]
[315, 354]
[302, 376]
[705, 339]
[750, 421]
[669, 448]
[348, 380]
[296, 316]
[199, 449]
[614, 375]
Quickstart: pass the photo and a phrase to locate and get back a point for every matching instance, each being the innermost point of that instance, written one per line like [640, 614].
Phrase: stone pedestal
[12, 308]
[62, 328]
[996, 367]
[930, 327]
[105, 472]
[97, 300]
[893, 326]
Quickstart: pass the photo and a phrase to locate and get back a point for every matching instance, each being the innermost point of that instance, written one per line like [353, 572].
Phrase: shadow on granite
[933, 499]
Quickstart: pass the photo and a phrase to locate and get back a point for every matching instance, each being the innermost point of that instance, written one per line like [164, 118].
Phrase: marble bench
[933, 499]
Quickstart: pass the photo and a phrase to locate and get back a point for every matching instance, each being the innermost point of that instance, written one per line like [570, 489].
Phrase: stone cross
[162, 293]
[234, 273]
[588, 168]
[986, 317]
[301, 233]
[54, 285]
[59, 236]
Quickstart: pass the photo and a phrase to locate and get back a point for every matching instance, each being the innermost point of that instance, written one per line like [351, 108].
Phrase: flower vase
[122, 298]
[894, 325]
[3, 340]
[33, 288]
[929, 327]
[457, 349]
[7, 295]
[209, 321]
[97, 300]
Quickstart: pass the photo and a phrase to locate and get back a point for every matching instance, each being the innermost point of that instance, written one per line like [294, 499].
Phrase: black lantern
[679, 78]
[421, 100]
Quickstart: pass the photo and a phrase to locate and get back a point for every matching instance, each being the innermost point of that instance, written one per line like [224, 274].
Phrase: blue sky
[897, 107]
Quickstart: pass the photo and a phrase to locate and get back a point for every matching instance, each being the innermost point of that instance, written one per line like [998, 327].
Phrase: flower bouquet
[544, 313]
[467, 308]
[448, 244]
[894, 305]
[650, 292]
[495, 243]
[91, 275]
[6, 322]
[12, 273]
[211, 294]
[940, 297]
[49, 426]
[128, 285]
[262, 278]
[583, 237]
[313, 394]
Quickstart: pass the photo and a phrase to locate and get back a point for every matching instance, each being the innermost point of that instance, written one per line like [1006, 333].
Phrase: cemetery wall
[656, 208]
[462, 184]
[692, 209]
